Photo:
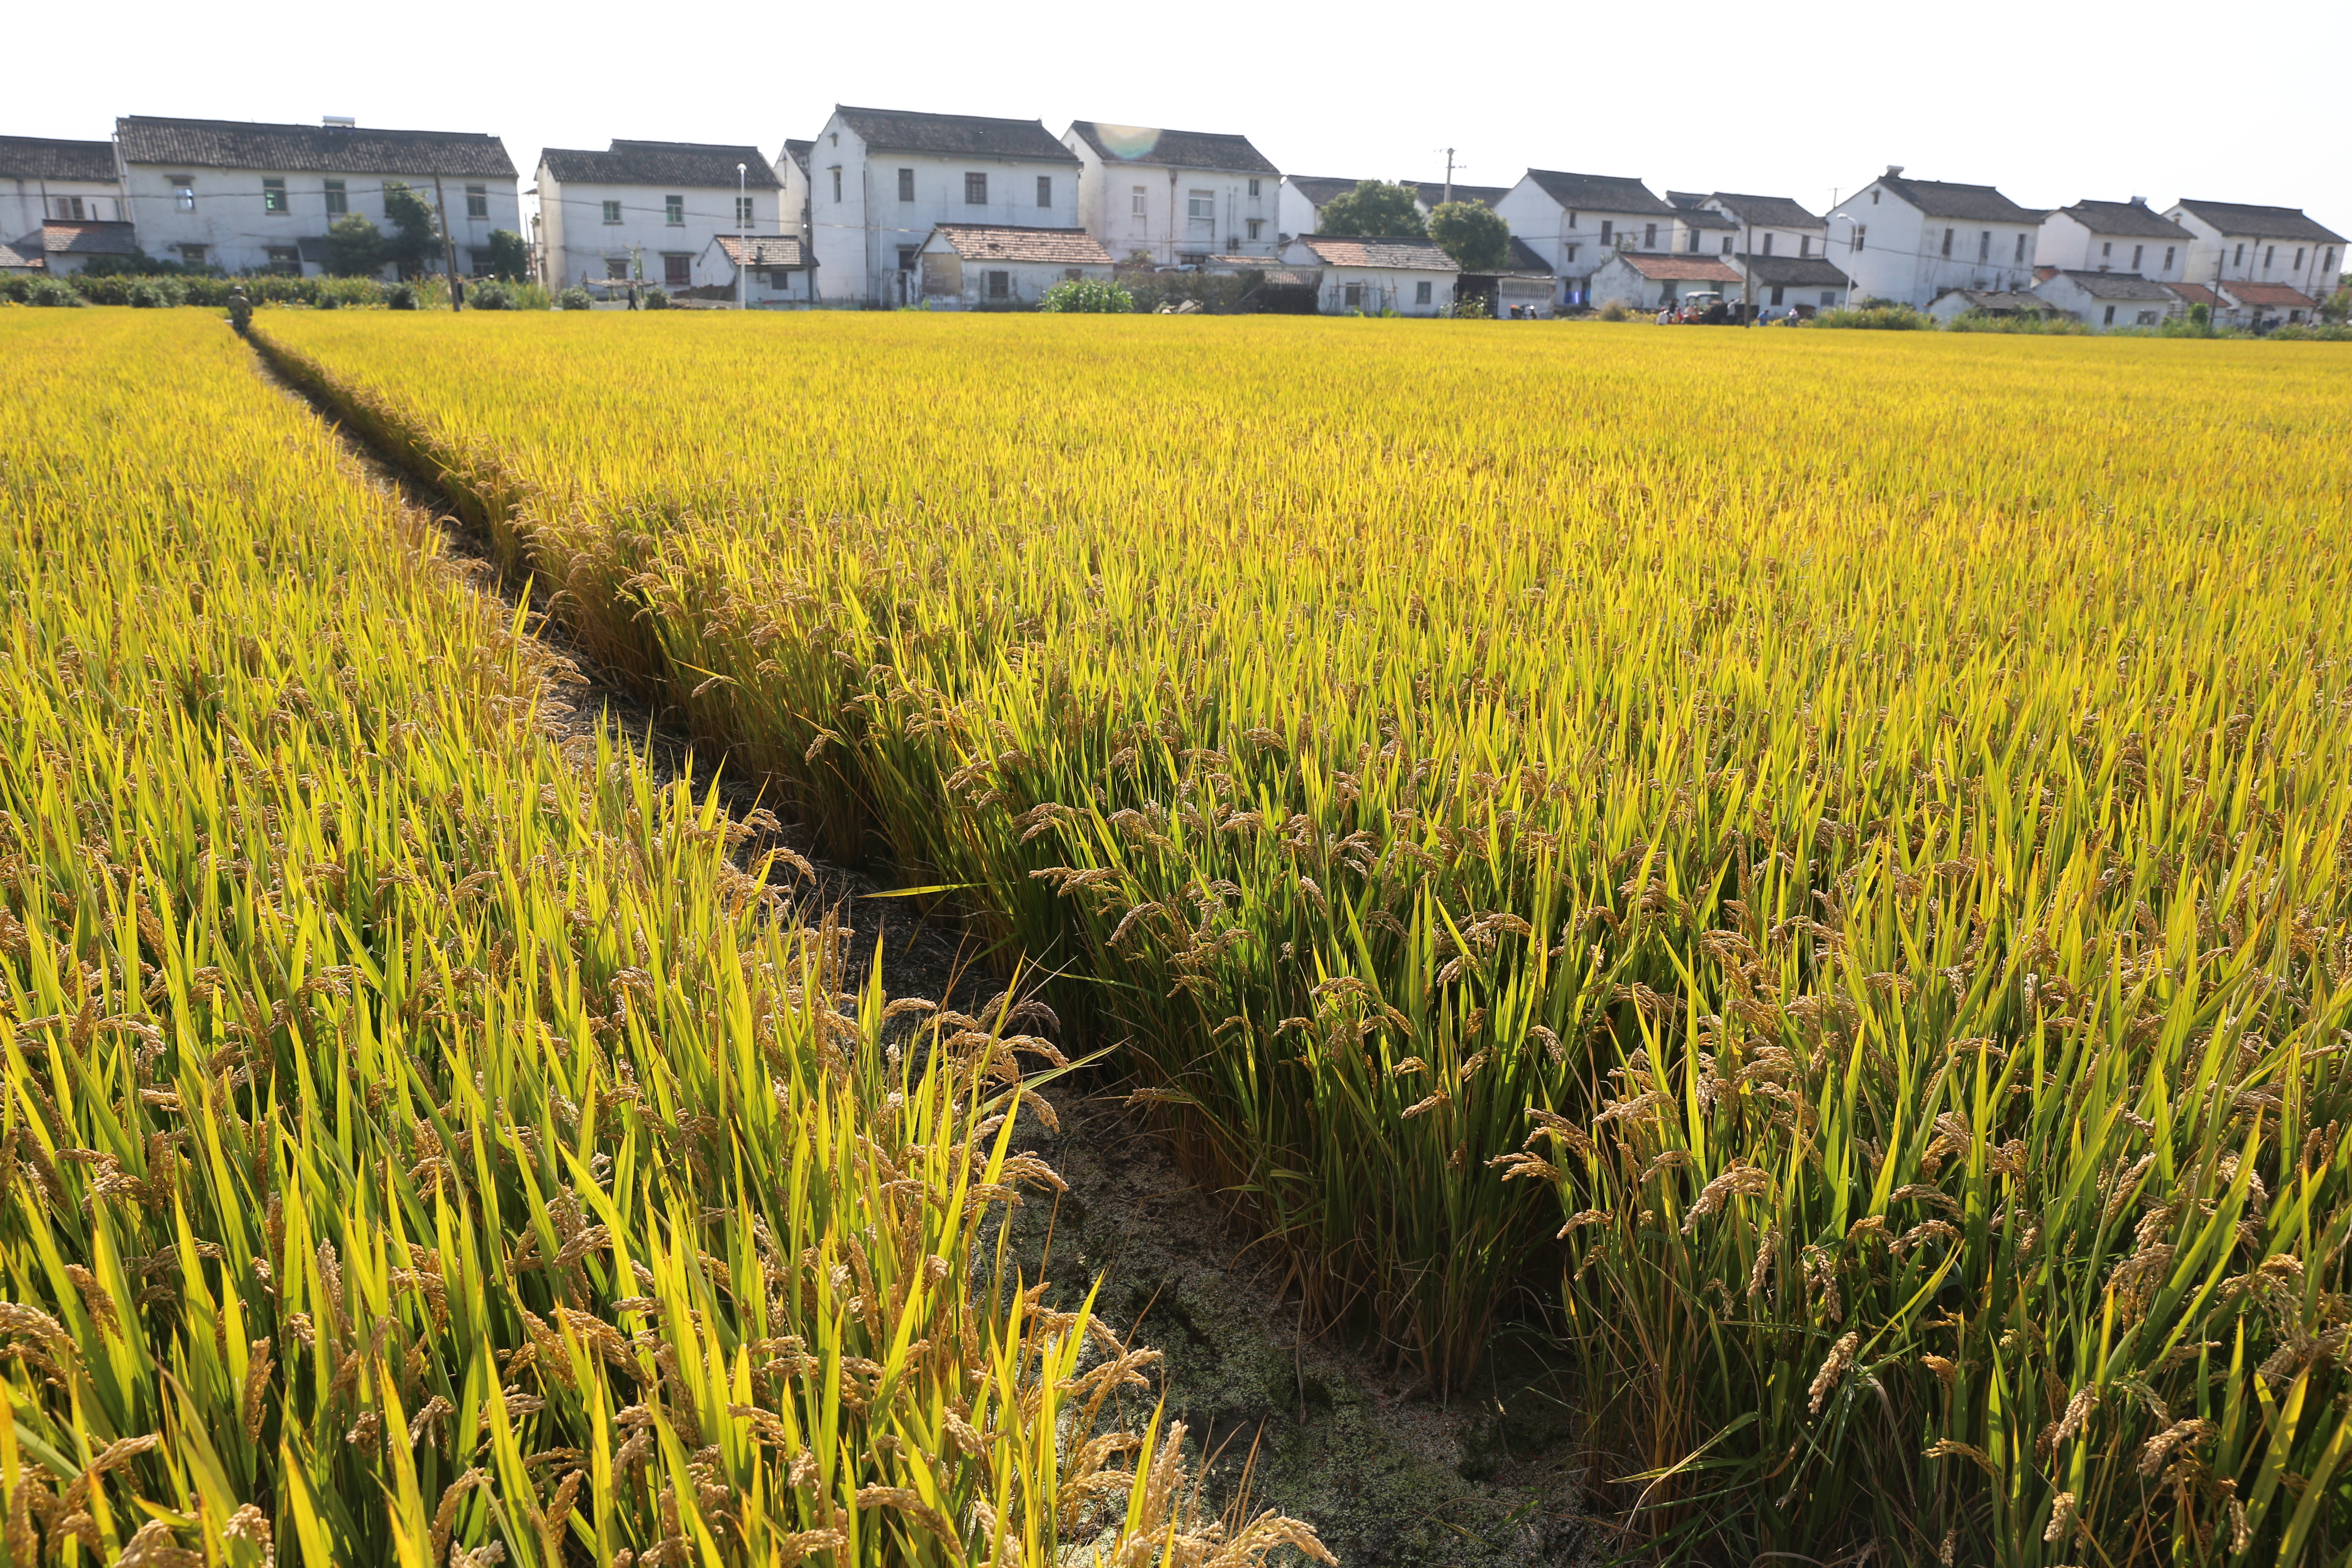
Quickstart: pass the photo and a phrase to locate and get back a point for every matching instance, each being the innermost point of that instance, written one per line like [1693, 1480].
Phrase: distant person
[241, 309]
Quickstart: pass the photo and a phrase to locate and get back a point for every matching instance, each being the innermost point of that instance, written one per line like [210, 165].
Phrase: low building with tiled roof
[45, 178]
[2101, 300]
[1003, 267]
[16, 263]
[1578, 222]
[650, 211]
[781, 273]
[1652, 280]
[62, 249]
[1373, 275]
[1174, 197]
[2236, 242]
[1913, 241]
[2264, 305]
[1520, 290]
[1953, 303]
[2113, 236]
[1433, 194]
[882, 180]
[1769, 225]
[244, 196]
[1797, 284]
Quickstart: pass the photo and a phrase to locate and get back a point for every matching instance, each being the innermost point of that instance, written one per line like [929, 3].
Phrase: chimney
[339, 123]
[2139, 201]
[1893, 171]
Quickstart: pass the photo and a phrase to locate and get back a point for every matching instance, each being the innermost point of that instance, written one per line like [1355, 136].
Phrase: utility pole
[1449, 173]
[449, 245]
[742, 241]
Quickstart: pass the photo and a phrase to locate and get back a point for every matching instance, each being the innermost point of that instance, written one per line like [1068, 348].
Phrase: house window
[2329, 267]
[1571, 253]
[2167, 256]
[1257, 226]
[1135, 203]
[612, 212]
[744, 218]
[191, 255]
[2146, 319]
[478, 201]
[905, 184]
[780, 278]
[1192, 259]
[183, 192]
[674, 211]
[1000, 284]
[1874, 198]
[1775, 293]
[1829, 298]
[1861, 238]
[2107, 249]
[616, 268]
[2241, 258]
[1768, 242]
[975, 190]
[286, 260]
[1692, 246]
[1045, 190]
[1200, 206]
[1726, 244]
[677, 271]
[273, 196]
[1649, 236]
[339, 200]
[1608, 232]
[477, 262]
[1253, 190]
[68, 209]
[2137, 251]
[1421, 292]
[906, 255]
[1948, 242]
[1984, 244]
[1351, 296]
[1804, 244]
[2109, 319]
[836, 181]
[2269, 256]
[2298, 259]
[2021, 250]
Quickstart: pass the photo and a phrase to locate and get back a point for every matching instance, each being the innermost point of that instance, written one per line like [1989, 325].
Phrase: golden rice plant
[1879, 805]
[423, 1140]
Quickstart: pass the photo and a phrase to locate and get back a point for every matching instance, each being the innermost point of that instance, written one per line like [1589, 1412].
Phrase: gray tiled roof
[1378, 250]
[1433, 192]
[11, 260]
[335, 150]
[1767, 212]
[1795, 271]
[954, 135]
[1172, 149]
[89, 238]
[1320, 188]
[764, 250]
[2117, 286]
[2260, 223]
[1597, 193]
[798, 152]
[45, 158]
[1015, 242]
[1525, 258]
[1941, 198]
[2132, 220]
[1700, 217]
[698, 165]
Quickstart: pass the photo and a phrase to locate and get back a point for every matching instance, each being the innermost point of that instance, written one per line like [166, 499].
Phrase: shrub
[1876, 316]
[52, 293]
[1615, 311]
[2052, 325]
[144, 295]
[509, 257]
[330, 302]
[655, 299]
[491, 297]
[574, 299]
[399, 296]
[528, 297]
[355, 247]
[1086, 296]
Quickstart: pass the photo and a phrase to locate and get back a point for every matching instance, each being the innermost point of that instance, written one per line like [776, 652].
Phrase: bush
[1086, 296]
[51, 293]
[655, 299]
[528, 297]
[1615, 311]
[355, 247]
[491, 297]
[399, 296]
[330, 302]
[509, 257]
[1878, 317]
[145, 295]
[574, 299]
[2049, 326]
[2322, 331]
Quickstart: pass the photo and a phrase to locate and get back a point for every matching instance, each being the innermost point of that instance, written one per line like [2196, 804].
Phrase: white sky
[2053, 103]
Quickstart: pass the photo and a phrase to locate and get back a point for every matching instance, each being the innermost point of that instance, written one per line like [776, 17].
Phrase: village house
[885, 180]
[1954, 303]
[249, 198]
[2113, 236]
[782, 277]
[1577, 222]
[977, 266]
[1913, 241]
[1771, 226]
[2105, 300]
[1700, 230]
[2232, 242]
[1372, 274]
[44, 180]
[1304, 197]
[792, 167]
[650, 211]
[2266, 305]
[1522, 289]
[1791, 285]
[1650, 280]
[1174, 197]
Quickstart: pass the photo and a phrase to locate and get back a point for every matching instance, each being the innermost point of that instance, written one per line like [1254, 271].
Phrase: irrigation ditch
[1319, 1427]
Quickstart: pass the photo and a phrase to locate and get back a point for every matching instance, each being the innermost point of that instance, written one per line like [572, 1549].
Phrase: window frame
[1252, 188]
[478, 203]
[1000, 283]
[747, 214]
[905, 184]
[1045, 190]
[1200, 206]
[975, 188]
[678, 270]
[673, 211]
[274, 199]
[284, 256]
[339, 198]
[1423, 293]
[612, 212]
[183, 192]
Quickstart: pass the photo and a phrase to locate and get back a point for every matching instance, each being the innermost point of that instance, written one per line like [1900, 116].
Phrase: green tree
[1475, 235]
[415, 240]
[1373, 208]
[1087, 296]
[355, 247]
[510, 257]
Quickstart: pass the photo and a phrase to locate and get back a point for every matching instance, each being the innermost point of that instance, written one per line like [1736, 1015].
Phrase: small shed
[66, 247]
[780, 267]
[2105, 300]
[1794, 285]
[13, 262]
[980, 267]
[1954, 303]
[1522, 290]
[1653, 279]
[2267, 305]
[1370, 274]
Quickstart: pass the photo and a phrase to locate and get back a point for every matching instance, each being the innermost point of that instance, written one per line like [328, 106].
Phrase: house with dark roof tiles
[45, 180]
[2113, 236]
[1176, 197]
[2237, 242]
[651, 211]
[248, 196]
[1578, 222]
[881, 180]
[1913, 241]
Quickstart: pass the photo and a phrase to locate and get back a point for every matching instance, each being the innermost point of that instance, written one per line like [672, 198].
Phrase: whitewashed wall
[581, 242]
[230, 221]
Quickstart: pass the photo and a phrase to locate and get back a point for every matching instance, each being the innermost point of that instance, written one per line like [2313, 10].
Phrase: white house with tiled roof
[1176, 197]
[1372, 274]
[2105, 300]
[2113, 236]
[883, 180]
[782, 273]
[2232, 242]
[45, 180]
[1655, 280]
[1577, 222]
[1913, 241]
[651, 211]
[249, 198]
[978, 266]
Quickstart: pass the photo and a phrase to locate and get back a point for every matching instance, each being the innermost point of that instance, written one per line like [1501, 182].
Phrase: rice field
[431, 1140]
